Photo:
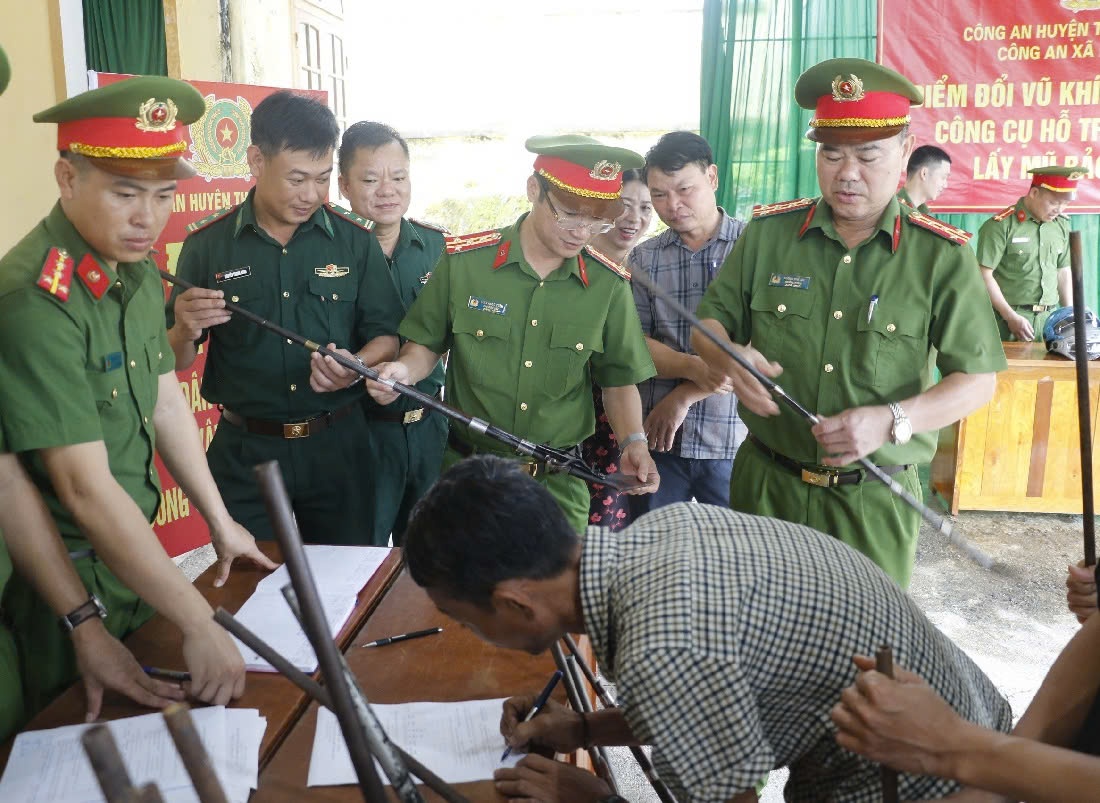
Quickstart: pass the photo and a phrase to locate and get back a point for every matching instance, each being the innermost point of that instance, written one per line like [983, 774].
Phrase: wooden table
[453, 666]
[1021, 452]
[157, 643]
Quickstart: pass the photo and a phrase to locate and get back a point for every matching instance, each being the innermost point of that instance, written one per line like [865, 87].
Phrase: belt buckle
[533, 467]
[822, 479]
[298, 430]
[412, 416]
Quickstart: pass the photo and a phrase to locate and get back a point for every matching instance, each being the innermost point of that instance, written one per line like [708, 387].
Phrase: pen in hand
[382, 642]
[539, 703]
[167, 674]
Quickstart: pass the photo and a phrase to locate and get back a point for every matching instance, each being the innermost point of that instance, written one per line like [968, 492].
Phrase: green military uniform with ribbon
[524, 351]
[1025, 256]
[330, 284]
[84, 348]
[406, 440]
[851, 327]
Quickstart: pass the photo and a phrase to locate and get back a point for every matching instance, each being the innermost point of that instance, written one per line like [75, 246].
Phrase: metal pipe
[1084, 413]
[191, 750]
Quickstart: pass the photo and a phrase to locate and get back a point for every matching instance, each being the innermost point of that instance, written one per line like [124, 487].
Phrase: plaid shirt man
[728, 654]
[712, 428]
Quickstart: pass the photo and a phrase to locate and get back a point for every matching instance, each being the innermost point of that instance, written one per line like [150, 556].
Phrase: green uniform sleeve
[48, 394]
[726, 300]
[625, 359]
[1063, 257]
[428, 322]
[380, 306]
[992, 242]
[963, 326]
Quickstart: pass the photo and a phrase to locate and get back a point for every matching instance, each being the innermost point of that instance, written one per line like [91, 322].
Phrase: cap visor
[156, 169]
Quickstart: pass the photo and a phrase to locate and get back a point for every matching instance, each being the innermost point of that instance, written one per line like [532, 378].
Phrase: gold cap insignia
[845, 89]
[156, 115]
[1076, 176]
[605, 170]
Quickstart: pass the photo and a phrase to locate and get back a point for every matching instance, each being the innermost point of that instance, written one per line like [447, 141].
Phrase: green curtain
[753, 51]
[125, 36]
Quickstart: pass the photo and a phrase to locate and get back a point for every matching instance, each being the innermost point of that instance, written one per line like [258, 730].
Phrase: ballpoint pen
[871, 307]
[382, 642]
[539, 703]
[166, 674]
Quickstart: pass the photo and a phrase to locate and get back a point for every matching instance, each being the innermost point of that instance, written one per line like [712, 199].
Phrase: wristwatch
[93, 607]
[902, 430]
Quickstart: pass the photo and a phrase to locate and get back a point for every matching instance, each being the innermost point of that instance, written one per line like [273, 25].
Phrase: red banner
[1008, 86]
[218, 143]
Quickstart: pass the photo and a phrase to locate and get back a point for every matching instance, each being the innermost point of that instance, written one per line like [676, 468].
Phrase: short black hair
[288, 121]
[367, 134]
[926, 156]
[677, 149]
[483, 522]
[633, 174]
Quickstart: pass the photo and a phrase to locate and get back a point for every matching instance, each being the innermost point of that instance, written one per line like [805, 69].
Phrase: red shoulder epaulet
[57, 273]
[432, 226]
[767, 210]
[458, 244]
[349, 216]
[1004, 213]
[199, 225]
[608, 263]
[937, 226]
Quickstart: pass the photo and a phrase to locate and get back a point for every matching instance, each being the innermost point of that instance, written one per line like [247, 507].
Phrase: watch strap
[82, 613]
[633, 437]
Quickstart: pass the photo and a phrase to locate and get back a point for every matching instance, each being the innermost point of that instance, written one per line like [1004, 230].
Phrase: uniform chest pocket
[248, 294]
[891, 350]
[331, 309]
[481, 343]
[571, 347]
[108, 387]
[780, 317]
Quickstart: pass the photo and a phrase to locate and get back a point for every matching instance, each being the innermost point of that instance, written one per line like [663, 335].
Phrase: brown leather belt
[1034, 307]
[823, 476]
[290, 429]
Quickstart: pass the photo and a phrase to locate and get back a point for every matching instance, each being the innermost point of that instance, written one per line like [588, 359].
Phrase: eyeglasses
[579, 222]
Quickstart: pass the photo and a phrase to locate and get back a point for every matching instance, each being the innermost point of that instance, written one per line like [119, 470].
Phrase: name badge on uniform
[484, 305]
[1021, 240]
[234, 273]
[113, 361]
[794, 282]
[331, 272]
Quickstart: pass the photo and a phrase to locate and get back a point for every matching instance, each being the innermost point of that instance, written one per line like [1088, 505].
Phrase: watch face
[903, 431]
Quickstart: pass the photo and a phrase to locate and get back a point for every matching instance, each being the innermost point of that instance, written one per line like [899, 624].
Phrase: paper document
[340, 573]
[459, 742]
[50, 766]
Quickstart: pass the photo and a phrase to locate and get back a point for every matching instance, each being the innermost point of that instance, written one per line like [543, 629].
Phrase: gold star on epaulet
[199, 225]
[1004, 213]
[349, 216]
[432, 226]
[608, 263]
[767, 210]
[460, 244]
[937, 226]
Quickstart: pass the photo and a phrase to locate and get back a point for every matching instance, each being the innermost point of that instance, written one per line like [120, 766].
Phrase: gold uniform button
[289, 342]
[235, 299]
[114, 393]
[527, 364]
[580, 347]
[284, 252]
[847, 259]
[293, 388]
[118, 284]
[480, 333]
[523, 405]
[781, 308]
[286, 294]
[890, 327]
[838, 315]
[133, 363]
[335, 296]
[828, 367]
[145, 418]
[534, 323]
[160, 355]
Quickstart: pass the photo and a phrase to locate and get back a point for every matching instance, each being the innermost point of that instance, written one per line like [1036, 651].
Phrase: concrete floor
[1012, 621]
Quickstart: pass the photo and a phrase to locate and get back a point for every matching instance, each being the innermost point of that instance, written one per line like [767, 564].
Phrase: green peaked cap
[124, 99]
[582, 150]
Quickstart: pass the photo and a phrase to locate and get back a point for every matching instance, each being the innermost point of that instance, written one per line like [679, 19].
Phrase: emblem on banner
[220, 139]
[1081, 5]
[846, 89]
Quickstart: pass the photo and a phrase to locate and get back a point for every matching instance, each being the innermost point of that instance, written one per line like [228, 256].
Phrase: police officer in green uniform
[87, 392]
[532, 317]
[1024, 254]
[844, 295]
[286, 254]
[406, 439]
[926, 177]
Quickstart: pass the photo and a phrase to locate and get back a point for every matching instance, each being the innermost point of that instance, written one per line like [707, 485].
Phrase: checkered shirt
[712, 428]
[731, 636]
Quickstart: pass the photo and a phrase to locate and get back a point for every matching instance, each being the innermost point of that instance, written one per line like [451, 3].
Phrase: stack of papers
[50, 766]
[340, 573]
[459, 742]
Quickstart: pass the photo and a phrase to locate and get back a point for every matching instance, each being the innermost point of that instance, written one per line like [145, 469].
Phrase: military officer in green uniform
[88, 393]
[286, 254]
[1024, 254]
[844, 295]
[532, 317]
[926, 177]
[406, 439]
